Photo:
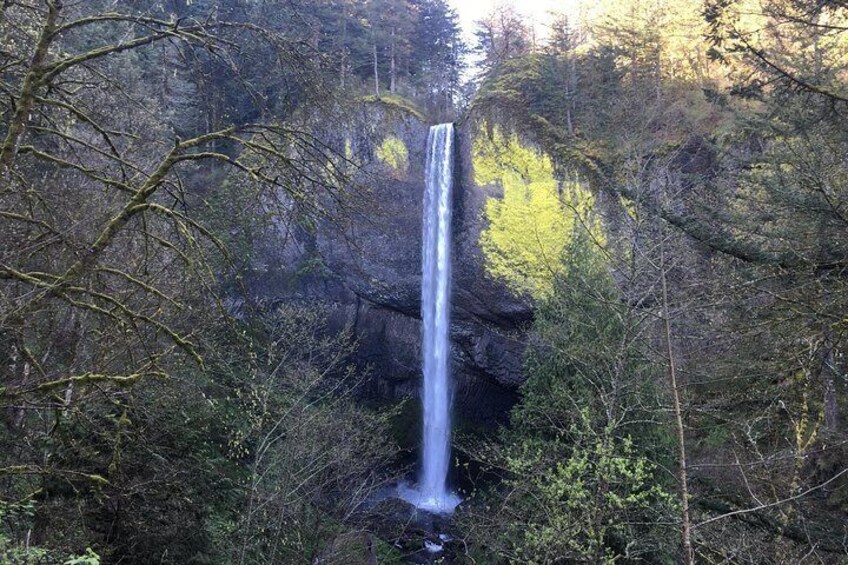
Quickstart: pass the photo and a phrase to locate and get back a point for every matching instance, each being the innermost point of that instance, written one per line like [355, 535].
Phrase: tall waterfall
[432, 493]
[435, 311]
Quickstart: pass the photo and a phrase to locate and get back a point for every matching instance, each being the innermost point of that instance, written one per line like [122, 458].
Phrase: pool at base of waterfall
[444, 503]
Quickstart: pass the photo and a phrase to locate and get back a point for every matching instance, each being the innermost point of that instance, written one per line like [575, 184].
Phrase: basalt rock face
[369, 271]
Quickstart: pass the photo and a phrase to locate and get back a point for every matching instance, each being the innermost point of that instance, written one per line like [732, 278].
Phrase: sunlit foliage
[394, 154]
[583, 482]
[799, 45]
[662, 37]
[533, 223]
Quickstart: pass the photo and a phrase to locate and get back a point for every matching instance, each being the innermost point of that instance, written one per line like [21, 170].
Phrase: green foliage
[263, 457]
[794, 191]
[532, 224]
[311, 455]
[90, 558]
[748, 159]
[583, 484]
[15, 517]
[582, 497]
[388, 554]
[20, 515]
[394, 154]
[16, 555]
[395, 103]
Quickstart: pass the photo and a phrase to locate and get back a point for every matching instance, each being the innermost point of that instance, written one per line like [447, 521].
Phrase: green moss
[394, 154]
[398, 103]
[532, 225]
[388, 555]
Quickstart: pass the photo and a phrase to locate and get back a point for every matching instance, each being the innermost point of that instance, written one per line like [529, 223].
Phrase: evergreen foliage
[582, 460]
[720, 189]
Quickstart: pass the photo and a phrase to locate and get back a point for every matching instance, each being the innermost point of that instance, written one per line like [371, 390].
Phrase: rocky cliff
[369, 270]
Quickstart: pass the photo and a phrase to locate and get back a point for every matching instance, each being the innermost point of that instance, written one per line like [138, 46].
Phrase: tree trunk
[32, 81]
[376, 72]
[658, 57]
[685, 530]
[828, 373]
[393, 68]
[572, 89]
[343, 62]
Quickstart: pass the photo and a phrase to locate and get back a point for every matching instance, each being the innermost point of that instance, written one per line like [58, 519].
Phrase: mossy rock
[393, 102]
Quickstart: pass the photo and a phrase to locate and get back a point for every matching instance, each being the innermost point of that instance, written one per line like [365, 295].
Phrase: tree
[562, 51]
[438, 52]
[314, 456]
[745, 196]
[580, 460]
[797, 45]
[390, 23]
[502, 35]
[109, 270]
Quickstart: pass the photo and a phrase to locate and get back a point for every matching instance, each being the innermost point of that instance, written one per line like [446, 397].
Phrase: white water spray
[432, 493]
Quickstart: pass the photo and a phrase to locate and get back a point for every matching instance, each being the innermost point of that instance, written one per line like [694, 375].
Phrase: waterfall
[432, 493]
[435, 312]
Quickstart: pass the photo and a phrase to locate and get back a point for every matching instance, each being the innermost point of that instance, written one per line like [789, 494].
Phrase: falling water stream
[432, 493]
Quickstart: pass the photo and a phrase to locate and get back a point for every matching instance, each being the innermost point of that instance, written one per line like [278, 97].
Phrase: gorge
[577, 285]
